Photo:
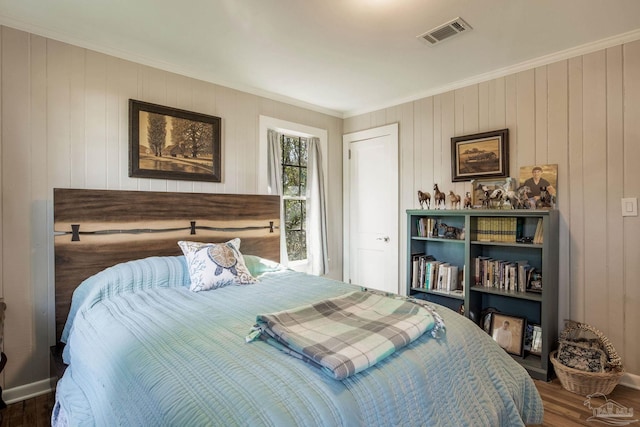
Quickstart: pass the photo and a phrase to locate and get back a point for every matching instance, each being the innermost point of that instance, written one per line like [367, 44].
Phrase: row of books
[426, 227]
[498, 229]
[428, 273]
[505, 275]
[505, 229]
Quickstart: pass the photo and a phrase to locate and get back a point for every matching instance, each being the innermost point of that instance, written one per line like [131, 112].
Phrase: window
[294, 189]
[289, 166]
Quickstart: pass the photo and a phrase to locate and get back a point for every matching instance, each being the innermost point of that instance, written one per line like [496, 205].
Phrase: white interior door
[371, 208]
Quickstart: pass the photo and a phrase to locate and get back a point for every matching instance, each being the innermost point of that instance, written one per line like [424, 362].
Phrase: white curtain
[274, 160]
[274, 182]
[316, 211]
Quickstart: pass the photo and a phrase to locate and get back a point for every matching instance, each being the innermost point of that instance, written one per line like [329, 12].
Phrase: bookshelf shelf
[491, 235]
[512, 294]
[440, 239]
[458, 296]
[515, 245]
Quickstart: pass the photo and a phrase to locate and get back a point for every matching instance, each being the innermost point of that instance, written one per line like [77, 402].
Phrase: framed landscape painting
[168, 143]
[480, 156]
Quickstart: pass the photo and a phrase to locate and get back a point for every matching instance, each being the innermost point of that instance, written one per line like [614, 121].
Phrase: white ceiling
[341, 57]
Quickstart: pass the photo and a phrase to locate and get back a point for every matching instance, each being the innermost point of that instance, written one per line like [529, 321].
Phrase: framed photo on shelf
[482, 189]
[508, 332]
[534, 282]
[485, 319]
[542, 181]
[528, 337]
[536, 340]
[481, 155]
[168, 143]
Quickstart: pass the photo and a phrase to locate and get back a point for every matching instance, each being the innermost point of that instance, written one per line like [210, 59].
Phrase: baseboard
[27, 391]
[631, 380]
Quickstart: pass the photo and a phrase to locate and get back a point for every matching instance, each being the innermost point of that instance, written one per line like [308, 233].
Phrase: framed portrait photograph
[542, 183]
[508, 331]
[168, 143]
[481, 155]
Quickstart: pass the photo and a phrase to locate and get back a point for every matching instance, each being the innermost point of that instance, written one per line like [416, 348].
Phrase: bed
[143, 348]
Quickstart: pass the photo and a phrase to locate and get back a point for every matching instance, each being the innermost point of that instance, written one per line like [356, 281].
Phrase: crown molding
[513, 69]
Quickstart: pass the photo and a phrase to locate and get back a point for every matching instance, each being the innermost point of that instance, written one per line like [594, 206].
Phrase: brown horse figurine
[467, 200]
[455, 200]
[438, 196]
[424, 198]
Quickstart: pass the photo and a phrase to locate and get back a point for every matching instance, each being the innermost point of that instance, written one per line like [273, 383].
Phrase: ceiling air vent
[445, 31]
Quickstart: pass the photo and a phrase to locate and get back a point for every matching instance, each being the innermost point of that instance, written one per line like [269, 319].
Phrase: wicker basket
[585, 383]
[582, 382]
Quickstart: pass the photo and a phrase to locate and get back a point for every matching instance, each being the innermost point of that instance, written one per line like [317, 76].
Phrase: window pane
[296, 245]
[303, 181]
[303, 152]
[290, 150]
[293, 215]
[291, 181]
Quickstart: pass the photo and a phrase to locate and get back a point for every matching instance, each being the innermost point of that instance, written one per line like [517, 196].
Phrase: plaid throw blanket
[347, 334]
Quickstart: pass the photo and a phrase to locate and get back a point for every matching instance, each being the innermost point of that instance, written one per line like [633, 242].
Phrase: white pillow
[214, 265]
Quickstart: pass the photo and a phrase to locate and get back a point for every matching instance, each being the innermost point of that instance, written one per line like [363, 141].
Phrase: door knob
[385, 238]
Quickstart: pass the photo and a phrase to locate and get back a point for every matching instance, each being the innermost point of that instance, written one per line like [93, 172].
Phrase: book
[415, 270]
[452, 278]
[442, 276]
[431, 274]
[538, 236]
[513, 276]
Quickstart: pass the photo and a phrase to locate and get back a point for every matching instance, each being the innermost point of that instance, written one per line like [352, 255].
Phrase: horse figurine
[424, 198]
[545, 200]
[517, 198]
[486, 191]
[438, 196]
[467, 200]
[497, 197]
[511, 197]
[522, 198]
[449, 232]
[454, 199]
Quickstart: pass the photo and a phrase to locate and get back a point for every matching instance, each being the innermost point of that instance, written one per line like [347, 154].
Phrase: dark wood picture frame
[480, 156]
[516, 328]
[157, 150]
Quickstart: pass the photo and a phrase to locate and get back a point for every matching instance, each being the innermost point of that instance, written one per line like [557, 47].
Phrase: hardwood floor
[34, 412]
[561, 408]
[566, 409]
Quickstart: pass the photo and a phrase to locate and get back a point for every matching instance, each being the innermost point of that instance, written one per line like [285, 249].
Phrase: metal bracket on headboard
[75, 230]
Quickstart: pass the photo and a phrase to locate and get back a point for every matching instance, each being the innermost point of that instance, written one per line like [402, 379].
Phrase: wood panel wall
[582, 114]
[64, 123]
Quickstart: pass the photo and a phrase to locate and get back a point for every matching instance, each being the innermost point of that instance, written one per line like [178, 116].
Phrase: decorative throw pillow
[214, 265]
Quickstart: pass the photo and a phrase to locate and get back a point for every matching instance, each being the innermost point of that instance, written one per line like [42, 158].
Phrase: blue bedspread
[145, 351]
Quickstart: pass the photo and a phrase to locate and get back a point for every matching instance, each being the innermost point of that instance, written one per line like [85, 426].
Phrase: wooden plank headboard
[95, 229]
